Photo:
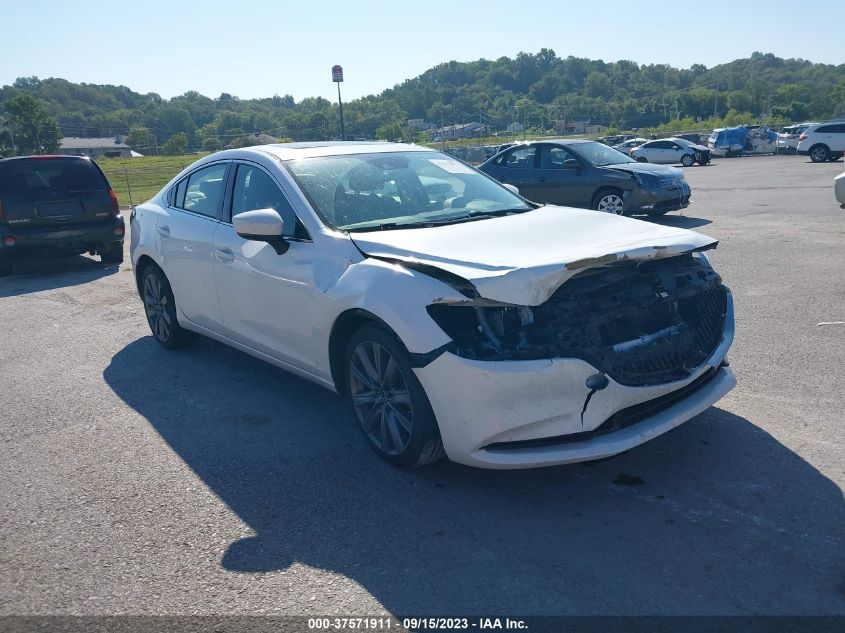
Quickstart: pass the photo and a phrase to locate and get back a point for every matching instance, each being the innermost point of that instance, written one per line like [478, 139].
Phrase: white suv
[823, 141]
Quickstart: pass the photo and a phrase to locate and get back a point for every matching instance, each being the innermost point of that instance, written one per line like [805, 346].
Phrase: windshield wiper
[468, 217]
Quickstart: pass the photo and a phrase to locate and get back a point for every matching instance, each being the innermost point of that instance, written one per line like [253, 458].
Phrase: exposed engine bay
[640, 322]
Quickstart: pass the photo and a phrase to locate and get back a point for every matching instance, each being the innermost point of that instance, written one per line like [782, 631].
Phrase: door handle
[225, 254]
[164, 230]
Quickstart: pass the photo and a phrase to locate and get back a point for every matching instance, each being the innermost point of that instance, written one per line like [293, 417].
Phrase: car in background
[839, 189]
[671, 151]
[588, 175]
[500, 333]
[823, 141]
[788, 138]
[626, 146]
[693, 137]
[55, 206]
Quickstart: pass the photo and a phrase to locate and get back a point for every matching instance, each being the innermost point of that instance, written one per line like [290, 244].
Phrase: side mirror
[262, 225]
[510, 188]
[571, 163]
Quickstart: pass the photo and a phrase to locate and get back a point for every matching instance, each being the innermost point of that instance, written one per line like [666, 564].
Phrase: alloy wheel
[611, 203]
[818, 155]
[155, 305]
[381, 398]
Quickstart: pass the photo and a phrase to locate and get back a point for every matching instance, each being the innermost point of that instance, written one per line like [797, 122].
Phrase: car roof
[292, 151]
[45, 157]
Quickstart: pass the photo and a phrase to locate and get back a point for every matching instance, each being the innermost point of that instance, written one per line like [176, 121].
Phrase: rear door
[518, 167]
[54, 191]
[185, 239]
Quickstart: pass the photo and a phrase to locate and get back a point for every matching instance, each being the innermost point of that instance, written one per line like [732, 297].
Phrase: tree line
[534, 89]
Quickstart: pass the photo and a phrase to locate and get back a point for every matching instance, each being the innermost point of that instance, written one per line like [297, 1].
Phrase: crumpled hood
[649, 168]
[522, 259]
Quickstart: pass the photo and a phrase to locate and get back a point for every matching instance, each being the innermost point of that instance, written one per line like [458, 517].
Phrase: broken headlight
[484, 325]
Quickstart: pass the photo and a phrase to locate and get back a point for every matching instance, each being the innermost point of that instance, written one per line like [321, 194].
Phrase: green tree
[176, 144]
[389, 132]
[32, 130]
[211, 145]
[141, 139]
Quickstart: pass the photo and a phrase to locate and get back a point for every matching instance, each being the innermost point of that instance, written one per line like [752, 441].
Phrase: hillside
[535, 89]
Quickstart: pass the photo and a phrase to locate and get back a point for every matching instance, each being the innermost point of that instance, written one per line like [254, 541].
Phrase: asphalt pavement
[134, 480]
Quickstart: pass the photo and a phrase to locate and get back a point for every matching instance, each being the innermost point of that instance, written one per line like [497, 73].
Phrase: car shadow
[716, 517]
[680, 221]
[37, 274]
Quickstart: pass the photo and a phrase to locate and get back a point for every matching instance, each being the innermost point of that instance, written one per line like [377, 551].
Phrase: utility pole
[337, 77]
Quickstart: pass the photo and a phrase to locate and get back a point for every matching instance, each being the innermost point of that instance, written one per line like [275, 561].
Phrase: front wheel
[160, 307]
[388, 400]
[819, 154]
[642, 159]
[687, 160]
[609, 201]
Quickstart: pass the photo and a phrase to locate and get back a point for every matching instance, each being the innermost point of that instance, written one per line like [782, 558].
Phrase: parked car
[57, 206]
[788, 138]
[626, 146]
[671, 151]
[589, 175]
[839, 189]
[823, 142]
[732, 142]
[504, 334]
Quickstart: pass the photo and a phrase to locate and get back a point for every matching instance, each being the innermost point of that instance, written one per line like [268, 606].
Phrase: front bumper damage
[617, 356]
[658, 198]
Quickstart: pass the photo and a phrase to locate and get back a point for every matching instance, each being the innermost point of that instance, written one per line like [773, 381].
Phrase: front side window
[600, 155]
[552, 157]
[202, 191]
[387, 190]
[254, 189]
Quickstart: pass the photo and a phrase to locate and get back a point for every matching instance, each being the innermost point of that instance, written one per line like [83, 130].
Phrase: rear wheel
[609, 201]
[687, 160]
[113, 254]
[388, 400]
[160, 307]
[819, 153]
[642, 159]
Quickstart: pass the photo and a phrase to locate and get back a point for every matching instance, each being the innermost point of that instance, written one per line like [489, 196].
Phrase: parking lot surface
[136, 480]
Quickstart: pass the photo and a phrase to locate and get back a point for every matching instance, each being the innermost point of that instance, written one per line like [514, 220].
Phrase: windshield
[365, 192]
[600, 155]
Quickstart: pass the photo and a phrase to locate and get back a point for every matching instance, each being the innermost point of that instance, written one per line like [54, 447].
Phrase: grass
[144, 176]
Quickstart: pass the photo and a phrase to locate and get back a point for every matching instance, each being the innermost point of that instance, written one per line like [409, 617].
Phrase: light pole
[337, 77]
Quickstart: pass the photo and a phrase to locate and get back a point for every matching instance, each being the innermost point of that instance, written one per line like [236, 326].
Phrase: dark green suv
[57, 206]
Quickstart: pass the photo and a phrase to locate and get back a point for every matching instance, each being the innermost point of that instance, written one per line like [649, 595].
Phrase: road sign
[337, 73]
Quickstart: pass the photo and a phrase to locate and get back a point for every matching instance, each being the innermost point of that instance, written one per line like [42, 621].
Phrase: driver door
[266, 298]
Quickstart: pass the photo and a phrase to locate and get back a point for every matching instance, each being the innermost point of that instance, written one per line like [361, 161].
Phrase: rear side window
[202, 191]
[50, 175]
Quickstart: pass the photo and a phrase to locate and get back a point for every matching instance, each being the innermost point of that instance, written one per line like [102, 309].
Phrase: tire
[160, 308]
[112, 255]
[388, 401]
[609, 200]
[642, 159]
[5, 266]
[819, 153]
[687, 160]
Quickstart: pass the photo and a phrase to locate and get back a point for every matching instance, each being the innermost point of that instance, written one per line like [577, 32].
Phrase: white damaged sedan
[456, 317]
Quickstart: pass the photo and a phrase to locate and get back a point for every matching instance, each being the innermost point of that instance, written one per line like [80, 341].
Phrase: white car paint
[666, 151]
[282, 308]
[839, 189]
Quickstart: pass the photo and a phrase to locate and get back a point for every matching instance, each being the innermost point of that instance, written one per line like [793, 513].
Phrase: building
[577, 126]
[462, 130]
[516, 126]
[110, 147]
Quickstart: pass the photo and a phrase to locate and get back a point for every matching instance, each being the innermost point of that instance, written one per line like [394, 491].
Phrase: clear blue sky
[258, 49]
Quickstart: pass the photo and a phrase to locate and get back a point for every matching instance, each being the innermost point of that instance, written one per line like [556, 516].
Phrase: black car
[589, 175]
[57, 206]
